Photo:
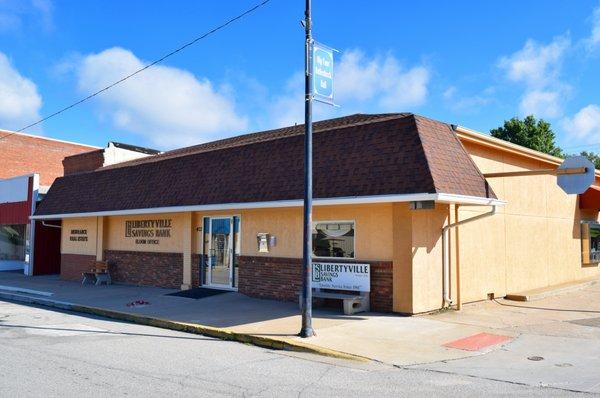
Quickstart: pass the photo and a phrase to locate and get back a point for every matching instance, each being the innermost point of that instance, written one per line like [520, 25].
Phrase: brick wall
[23, 154]
[195, 270]
[83, 162]
[146, 268]
[73, 265]
[270, 277]
[382, 288]
[281, 278]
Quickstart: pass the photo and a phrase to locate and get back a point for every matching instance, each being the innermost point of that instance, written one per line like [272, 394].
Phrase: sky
[471, 63]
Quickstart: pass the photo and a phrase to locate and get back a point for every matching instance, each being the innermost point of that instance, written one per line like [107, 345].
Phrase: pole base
[306, 332]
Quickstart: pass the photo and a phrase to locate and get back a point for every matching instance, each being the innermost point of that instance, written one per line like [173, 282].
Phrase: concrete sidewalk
[387, 338]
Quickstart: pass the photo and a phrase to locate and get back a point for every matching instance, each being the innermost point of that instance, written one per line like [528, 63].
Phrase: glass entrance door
[221, 244]
[220, 252]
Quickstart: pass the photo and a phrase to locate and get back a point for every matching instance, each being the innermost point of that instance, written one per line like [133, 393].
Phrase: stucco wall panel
[541, 230]
[373, 229]
[427, 257]
[86, 247]
[402, 263]
[482, 256]
[116, 239]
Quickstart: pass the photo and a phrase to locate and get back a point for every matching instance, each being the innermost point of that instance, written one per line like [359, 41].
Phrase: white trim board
[437, 197]
[42, 137]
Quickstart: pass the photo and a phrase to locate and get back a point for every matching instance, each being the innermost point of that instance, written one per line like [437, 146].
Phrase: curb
[210, 331]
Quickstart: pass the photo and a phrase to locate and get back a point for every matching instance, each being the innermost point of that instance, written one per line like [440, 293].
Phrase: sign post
[307, 330]
[318, 85]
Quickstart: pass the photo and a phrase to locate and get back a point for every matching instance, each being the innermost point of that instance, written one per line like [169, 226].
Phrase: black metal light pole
[307, 330]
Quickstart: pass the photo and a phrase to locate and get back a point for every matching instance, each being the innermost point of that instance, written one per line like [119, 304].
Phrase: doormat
[198, 293]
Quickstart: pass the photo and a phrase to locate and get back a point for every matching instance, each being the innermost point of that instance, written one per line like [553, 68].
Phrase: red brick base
[146, 268]
[195, 270]
[281, 279]
[73, 265]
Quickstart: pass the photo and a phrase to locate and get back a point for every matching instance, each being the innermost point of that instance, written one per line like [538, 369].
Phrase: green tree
[593, 157]
[529, 132]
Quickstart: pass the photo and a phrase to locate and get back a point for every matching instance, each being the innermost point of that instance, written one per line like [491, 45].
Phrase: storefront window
[333, 239]
[590, 242]
[595, 243]
[13, 242]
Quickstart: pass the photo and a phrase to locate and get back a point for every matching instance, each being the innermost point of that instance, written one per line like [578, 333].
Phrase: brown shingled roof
[359, 155]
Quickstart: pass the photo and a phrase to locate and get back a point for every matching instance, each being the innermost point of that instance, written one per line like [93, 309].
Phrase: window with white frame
[333, 239]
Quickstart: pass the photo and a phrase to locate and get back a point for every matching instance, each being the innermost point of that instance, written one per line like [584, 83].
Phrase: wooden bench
[353, 303]
[97, 275]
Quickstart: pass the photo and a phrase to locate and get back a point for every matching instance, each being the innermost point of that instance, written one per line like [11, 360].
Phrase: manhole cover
[535, 358]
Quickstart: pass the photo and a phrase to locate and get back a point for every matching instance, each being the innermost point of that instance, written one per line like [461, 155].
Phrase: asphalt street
[60, 354]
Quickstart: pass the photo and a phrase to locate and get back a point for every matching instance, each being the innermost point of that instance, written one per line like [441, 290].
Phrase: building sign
[341, 276]
[78, 235]
[148, 232]
[322, 73]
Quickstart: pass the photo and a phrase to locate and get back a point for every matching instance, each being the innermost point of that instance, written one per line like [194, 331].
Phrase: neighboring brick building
[29, 165]
[22, 154]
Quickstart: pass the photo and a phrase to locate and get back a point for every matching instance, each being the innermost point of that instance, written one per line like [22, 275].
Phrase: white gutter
[437, 197]
[446, 251]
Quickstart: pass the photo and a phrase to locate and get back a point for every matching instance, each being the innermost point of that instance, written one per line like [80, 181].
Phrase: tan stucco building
[389, 190]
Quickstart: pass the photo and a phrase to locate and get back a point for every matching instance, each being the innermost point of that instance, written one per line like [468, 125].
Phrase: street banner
[322, 73]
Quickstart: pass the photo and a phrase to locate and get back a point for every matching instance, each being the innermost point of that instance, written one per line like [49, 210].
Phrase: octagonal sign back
[576, 183]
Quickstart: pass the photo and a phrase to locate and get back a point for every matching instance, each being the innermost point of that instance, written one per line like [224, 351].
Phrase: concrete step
[549, 291]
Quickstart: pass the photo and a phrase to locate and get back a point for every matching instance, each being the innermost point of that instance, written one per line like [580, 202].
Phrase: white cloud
[361, 84]
[380, 79]
[18, 14]
[594, 39]
[169, 106]
[20, 101]
[538, 67]
[536, 64]
[541, 103]
[584, 125]
[461, 103]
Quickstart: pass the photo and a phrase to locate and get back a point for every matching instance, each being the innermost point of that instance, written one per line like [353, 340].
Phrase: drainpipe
[50, 225]
[446, 251]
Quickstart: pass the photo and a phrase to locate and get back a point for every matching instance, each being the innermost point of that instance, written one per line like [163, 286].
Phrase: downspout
[446, 251]
[50, 225]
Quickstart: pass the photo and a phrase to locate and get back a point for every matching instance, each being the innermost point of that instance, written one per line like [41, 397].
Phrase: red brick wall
[270, 277]
[22, 154]
[73, 265]
[281, 278]
[146, 268]
[382, 288]
[195, 270]
[82, 162]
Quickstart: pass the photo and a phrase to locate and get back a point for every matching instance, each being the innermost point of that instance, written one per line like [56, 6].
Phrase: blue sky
[473, 63]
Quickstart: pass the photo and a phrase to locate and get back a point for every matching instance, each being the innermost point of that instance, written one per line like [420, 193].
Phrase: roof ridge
[377, 118]
[416, 119]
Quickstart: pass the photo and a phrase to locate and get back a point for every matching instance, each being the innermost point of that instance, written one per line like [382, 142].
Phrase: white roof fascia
[437, 197]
